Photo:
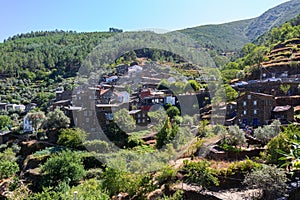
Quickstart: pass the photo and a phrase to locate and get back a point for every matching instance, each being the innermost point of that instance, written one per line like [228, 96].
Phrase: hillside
[229, 36]
[46, 54]
[233, 36]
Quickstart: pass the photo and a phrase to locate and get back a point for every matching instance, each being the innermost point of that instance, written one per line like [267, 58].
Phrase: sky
[20, 16]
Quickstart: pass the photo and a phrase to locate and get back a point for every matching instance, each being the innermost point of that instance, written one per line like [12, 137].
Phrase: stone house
[284, 113]
[255, 109]
[141, 117]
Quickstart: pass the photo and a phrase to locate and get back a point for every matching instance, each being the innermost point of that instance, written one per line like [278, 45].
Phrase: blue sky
[18, 16]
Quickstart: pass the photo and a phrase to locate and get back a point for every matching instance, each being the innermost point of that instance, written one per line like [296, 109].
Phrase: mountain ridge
[233, 36]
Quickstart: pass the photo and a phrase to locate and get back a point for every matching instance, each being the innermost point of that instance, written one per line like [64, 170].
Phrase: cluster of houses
[93, 106]
[275, 94]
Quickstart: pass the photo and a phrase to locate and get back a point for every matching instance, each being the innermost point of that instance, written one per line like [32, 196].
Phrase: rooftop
[281, 108]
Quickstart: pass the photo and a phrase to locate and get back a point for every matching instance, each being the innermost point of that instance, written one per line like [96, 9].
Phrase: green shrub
[66, 167]
[270, 179]
[200, 173]
[166, 174]
[72, 138]
[281, 142]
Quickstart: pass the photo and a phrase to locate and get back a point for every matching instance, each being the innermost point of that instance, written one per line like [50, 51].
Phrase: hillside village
[151, 125]
[273, 95]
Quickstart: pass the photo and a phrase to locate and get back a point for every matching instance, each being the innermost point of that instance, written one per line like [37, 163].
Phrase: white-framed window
[143, 120]
[244, 103]
[254, 112]
[245, 112]
[255, 102]
[249, 96]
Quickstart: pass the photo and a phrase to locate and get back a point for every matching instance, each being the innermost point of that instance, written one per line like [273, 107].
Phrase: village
[274, 95]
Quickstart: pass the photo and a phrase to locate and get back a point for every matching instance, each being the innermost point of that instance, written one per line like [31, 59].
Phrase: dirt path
[208, 143]
[203, 151]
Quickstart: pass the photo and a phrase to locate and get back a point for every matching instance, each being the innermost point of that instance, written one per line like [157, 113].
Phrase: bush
[65, 167]
[266, 133]
[236, 136]
[8, 168]
[166, 174]
[72, 138]
[116, 181]
[8, 165]
[282, 143]
[98, 146]
[200, 173]
[270, 179]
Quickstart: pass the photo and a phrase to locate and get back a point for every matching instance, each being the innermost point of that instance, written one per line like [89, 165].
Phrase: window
[245, 112]
[249, 96]
[230, 107]
[244, 103]
[255, 102]
[254, 112]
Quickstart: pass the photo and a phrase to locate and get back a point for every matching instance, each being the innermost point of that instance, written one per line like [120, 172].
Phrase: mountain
[234, 35]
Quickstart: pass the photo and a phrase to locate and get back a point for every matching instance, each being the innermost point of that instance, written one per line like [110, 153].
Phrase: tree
[5, 122]
[264, 134]
[194, 85]
[203, 128]
[236, 136]
[124, 120]
[36, 118]
[66, 167]
[163, 136]
[270, 179]
[231, 94]
[173, 111]
[72, 138]
[56, 120]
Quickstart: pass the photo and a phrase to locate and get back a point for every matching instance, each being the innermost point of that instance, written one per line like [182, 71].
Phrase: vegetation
[56, 120]
[200, 173]
[5, 122]
[65, 167]
[281, 143]
[236, 136]
[233, 36]
[72, 138]
[266, 133]
[270, 179]
[8, 164]
[33, 65]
